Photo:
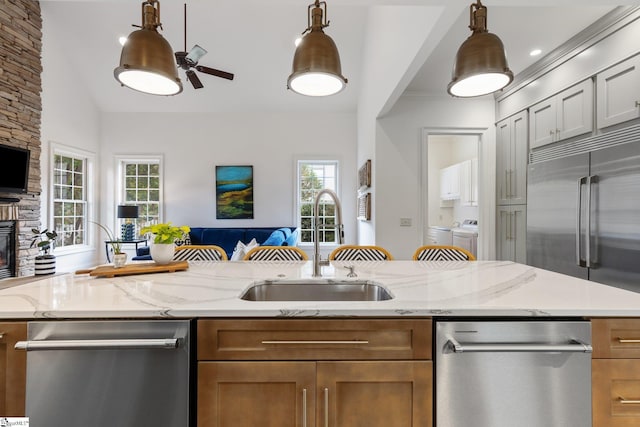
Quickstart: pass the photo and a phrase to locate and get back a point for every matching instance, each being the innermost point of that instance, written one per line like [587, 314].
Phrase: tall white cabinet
[511, 181]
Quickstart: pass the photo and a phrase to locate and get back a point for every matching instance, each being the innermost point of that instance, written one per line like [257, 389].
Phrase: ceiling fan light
[481, 65]
[316, 70]
[147, 62]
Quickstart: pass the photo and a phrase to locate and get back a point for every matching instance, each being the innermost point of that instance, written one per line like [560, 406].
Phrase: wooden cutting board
[142, 268]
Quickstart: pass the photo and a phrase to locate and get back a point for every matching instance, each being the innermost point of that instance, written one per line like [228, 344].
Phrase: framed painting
[234, 192]
[364, 207]
[364, 175]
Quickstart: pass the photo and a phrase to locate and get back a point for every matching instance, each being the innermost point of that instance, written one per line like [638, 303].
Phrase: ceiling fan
[189, 61]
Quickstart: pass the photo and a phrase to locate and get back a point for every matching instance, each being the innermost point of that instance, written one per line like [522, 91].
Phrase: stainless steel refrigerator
[583, 212]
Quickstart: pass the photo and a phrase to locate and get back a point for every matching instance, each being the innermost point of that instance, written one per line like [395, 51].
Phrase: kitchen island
[212, 289]
[324, 360]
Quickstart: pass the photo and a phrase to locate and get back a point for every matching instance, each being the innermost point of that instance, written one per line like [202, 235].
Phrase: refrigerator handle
[579, 260]
[593, 179]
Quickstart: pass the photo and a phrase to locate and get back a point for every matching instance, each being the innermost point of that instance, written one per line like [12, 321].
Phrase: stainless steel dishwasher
[513, 373]
[108, 373]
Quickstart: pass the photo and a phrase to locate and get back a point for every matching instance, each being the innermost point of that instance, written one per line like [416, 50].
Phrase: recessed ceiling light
[122, 40]
[535, 52]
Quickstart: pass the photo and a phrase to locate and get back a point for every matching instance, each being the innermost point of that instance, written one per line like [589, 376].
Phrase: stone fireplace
[8, 249]
[20, 116]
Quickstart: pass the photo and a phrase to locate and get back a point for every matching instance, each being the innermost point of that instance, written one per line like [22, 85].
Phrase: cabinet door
[512, 149]
[518, 154]
[468, 182]
[503, 160]
[13, 370]
[250, 394]
[374, 394]
[618, 93]
[575, 110]
[616, 392]
[450, 183]
[542, 118]
[512, 229]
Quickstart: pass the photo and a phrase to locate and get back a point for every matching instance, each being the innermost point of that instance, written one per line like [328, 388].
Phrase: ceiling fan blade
[193, 78]
[214, 72]
[195, 54]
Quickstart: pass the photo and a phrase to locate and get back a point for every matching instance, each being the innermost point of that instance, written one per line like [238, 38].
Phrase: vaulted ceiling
[254, 40]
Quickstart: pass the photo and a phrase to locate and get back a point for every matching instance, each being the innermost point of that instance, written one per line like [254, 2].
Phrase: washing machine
[466, 236]
[439, 235]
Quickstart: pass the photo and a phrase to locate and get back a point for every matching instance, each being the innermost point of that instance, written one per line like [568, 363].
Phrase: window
[141, 180]
[70, 197]
[314, 176]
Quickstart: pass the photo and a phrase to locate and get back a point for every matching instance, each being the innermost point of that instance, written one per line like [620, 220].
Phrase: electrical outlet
[405, 222]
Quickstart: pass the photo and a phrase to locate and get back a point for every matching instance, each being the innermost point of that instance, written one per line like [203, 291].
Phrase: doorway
[450, 169]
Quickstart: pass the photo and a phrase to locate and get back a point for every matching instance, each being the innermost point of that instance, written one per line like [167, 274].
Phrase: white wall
[193, 144]
[69, 117]
[398, 153]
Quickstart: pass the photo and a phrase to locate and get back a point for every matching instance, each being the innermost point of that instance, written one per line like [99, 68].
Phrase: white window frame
[89, 159]
[120, 196]
[297, 202]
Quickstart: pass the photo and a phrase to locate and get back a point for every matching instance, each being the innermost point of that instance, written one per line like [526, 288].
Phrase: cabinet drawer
[616, 338]
[616, 392]
[320, 339]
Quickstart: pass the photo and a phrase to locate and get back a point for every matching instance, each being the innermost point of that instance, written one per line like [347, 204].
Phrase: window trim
[119, 196]
[56, 148]
[296, 203]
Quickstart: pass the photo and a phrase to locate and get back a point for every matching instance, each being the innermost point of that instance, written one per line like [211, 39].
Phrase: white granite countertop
[212, 289]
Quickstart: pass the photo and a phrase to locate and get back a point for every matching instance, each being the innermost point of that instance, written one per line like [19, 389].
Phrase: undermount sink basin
[316, 290]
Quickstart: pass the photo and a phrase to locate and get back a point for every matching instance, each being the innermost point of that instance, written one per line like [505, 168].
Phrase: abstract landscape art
[234, 192]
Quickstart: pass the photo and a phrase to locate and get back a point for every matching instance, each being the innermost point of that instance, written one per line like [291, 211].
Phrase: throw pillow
[241, 249]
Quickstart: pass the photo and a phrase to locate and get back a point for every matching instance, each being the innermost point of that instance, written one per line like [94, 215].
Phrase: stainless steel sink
[316, 290]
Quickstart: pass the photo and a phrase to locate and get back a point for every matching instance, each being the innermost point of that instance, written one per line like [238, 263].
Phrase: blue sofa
[228, 237]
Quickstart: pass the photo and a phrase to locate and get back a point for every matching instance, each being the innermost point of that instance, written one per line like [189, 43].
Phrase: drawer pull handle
[353, 342]
[326, 407]
[304, 407]
[624, 401]
[628, 341]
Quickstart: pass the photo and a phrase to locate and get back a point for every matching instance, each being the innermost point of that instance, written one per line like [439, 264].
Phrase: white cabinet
[618, 93]
[511, 160]
[450, 182]
[565, 115]
[469, 182]
[512, 230]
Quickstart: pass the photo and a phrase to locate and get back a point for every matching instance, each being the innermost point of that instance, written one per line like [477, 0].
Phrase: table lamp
[128, 228]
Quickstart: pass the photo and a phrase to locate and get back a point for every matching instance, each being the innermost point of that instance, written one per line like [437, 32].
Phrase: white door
[618, 93]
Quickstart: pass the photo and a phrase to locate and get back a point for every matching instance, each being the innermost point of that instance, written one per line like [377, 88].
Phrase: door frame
[424, 179]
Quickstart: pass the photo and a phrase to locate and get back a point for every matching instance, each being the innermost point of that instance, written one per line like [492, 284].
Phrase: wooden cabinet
[512, 230]
[565, 115]
[13, 369]
[618, 93]
[321, 372]
[511, 160]
[450, 182]
[616, 372]
[469, 182]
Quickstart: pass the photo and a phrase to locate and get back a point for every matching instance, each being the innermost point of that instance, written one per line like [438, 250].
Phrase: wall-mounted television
[14, 169]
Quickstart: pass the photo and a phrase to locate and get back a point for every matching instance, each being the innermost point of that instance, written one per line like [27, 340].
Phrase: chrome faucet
[339, 228]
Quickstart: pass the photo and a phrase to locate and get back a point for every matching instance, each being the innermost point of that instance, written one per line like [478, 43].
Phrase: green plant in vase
[164, 236]
[119, 257]
[45, 240]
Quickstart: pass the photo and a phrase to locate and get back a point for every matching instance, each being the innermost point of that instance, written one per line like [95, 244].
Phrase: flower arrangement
[165, 233]
[116, 244]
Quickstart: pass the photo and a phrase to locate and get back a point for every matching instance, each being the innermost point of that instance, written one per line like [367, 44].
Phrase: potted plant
[45, 240]
[164, 236]
[119, 257]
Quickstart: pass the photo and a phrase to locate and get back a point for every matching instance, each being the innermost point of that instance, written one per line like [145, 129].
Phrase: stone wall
[20, 109]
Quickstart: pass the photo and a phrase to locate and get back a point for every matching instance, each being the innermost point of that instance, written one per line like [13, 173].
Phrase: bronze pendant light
[481, 63]
[316, 62]
[147, 63]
